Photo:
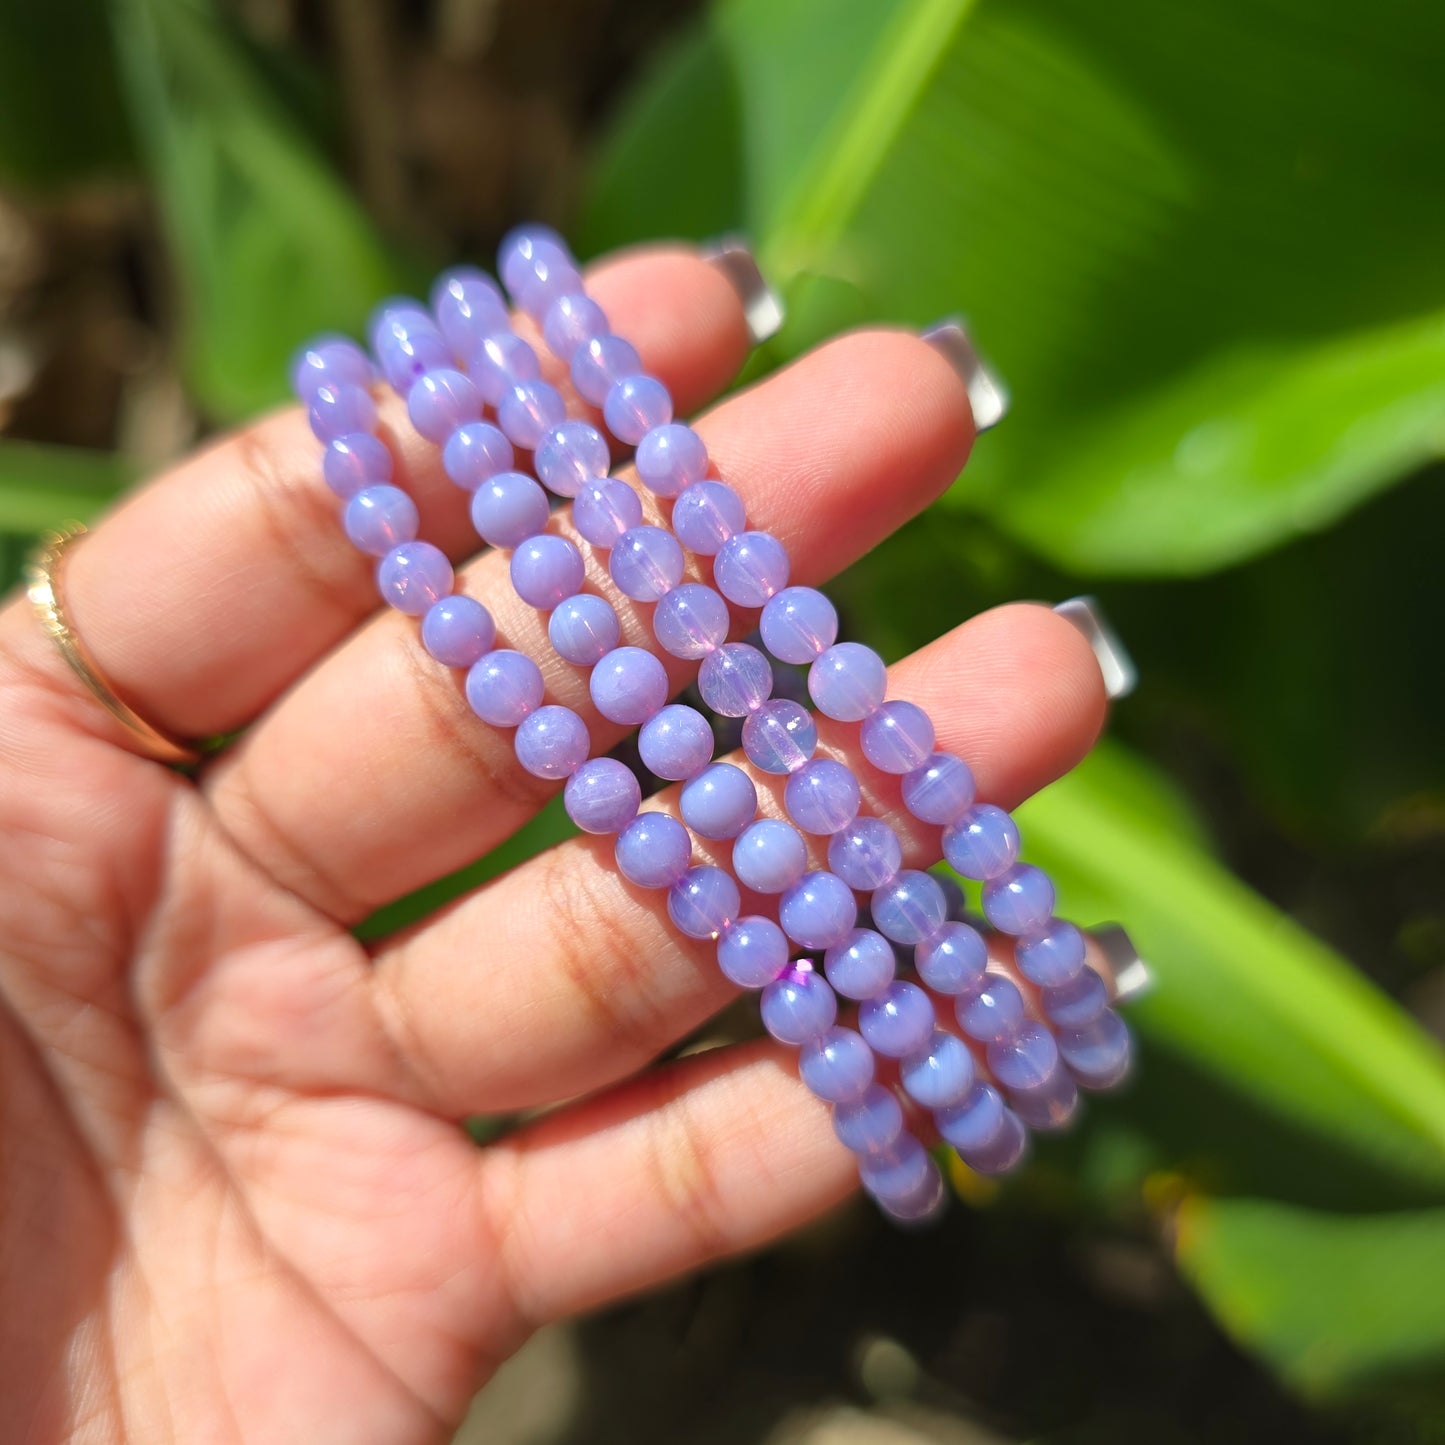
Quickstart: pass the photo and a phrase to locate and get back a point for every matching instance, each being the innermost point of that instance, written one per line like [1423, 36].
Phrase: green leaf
[44, 486]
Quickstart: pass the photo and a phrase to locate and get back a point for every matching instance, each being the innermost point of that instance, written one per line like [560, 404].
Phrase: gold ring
[43, 574]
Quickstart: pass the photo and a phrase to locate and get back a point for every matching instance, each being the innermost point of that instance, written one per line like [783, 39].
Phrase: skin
[236, 1203]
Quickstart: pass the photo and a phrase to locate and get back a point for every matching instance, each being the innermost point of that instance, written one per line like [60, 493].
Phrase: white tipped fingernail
[1132, 976]
[987, 395]
[762, 306]
[1120, 674]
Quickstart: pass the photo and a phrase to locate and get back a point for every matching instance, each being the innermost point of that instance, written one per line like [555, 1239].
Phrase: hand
[236, 1202]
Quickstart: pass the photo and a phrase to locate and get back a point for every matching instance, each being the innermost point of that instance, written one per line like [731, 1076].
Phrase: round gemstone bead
[529, 411]
[940, 790]
[910, 908]
[752, 952]
[628, 686]
[457, 630]
[940, 1074]
[861, 966]
[798, 625]
[1053, 956]
[750, 568]
[677, 743]
[836, 1066]
[705, 515]
[339, 408]
[898, 737]
[822, 796]
[953, 960]
[1019, 901]
[355, 461]
[634, 405]
[871, 1124]
[1052, 1105]
[779, 737]
[583, 628]
[501, 361]
[413, 576]
[546, 569]
[503, 687]
[508, 508]
[735, 679]
[1077, 1003]
[691, 621]
[703, 902]
[992, 1014]
[1097, 1055]
[468, 306]
[982, 842]
[1004, 1151]
[570, 456]
[646, 563]
[865, 854]
[719, 802]
[536, 266]
[442, 400]
[379, 518]
[669, 458]
[597, 364]
[927, 1202]
[899, 1174]
[408, 343]
[769, 856]
[848, 681]
[572, 320]
[605, 509]
[475, 452]
[653, 851]
[1026, 1061]
[602, 796]
[899, 1021]
[330, 361]
[976, 1122]
[798, 1006]
[818, 911]
[552, 742]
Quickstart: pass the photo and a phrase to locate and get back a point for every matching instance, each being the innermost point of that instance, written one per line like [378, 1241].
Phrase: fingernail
[762, 306]
[1132, 976]
[987, 394]
[1120, 675]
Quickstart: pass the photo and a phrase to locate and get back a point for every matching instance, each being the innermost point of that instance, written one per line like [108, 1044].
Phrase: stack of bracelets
[1014, 1064]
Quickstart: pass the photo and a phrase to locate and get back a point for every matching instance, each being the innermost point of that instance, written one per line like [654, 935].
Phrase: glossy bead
[992, 1014]
[669, 458]
[503, 687]
[440, 401]
[583, 628]
[501, 361]
[379, 518]
[798, 625]
[572, 320]
[602, 796]
[925, 1203]
[1020, 900]
[798, 1006]
[703, 902]
[899, 1021]
[408, 343]
[691, 621]
[982, 842]
[338, 408]
[752, 952]
[735, 680]
[848, 681]
[413, 576]
[940, 790]
[475, 452]
[509, 508]
[677, 743]
[634, 405]
[1077, 1003]
[779, 737]
[769, 856]
[822, 796]
[354, 461]
[1005, 1151]
[750, 568]
[940, 1074]
[837, 1066]
[646, 563]
[871, 1124]
[532, 260]
[1052, 1105]
[1053, 956]
[719, 802]
[653, 851]
[974, 1123]
[570, 456]
[861, 965]
[865, 854]
[457, 630]
[330, 361]
[910, 908]
[897, 1174]
[529, 411]
[1097, 1055]
[1025, 1061]
[818, 911]
[546, 569]
[897, 738]
[953, 960]
[468, 306]
[552, 742]
[705, 515]
[628, 686]
[604, 510]
[598, 363]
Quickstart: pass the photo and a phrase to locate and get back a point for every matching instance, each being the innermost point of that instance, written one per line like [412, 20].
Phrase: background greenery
[1204, 246]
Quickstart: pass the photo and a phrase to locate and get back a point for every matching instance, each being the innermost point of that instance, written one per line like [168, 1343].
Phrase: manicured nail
[987, 394]
[1120, 674]
[762, 306]
[1132, 976]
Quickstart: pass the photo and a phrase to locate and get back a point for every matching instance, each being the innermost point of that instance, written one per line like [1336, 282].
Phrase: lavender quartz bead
[549, 273]
[1026, 1061]
[898, 1174]
[750, 568]
[981, 842]
[457, 630]
[837, 1066]
[1097, 1055]
[468, 306]
[634, 405]
[476, 452]
[798, 1006]
[503, 687]
[897, 738]
[939, 790]
[520, 246]
[354, 461]
[653, 851]
[669, 458]
[752, 952]
[546, 569]
[735, 680]
[408, 343]
[899, 1021]
[605, 509]
[922, 1205]
[940, 1074]
[865, 854]
[848, 681]
[677, 743]
[705, 515]
[976, 1122]
[602, 796]
[1053, 956]
[769, 856]
[1052, 1105]
[509, 508]
[1077, 1003]
[703, 902]
[570, 456]
[909, 909]
[552, 742]
[339, 408]
[798, 625]
[379, 518]
[953, 960]
[499, 363]
[572, 320]
[779, 737]
[691, 621]
[818, 911]
[646, 563]
[1004, 1151]
[529, 412]
[870, 1125]
[330, 361]
[628, 686]
[413, 576]
[583, 628]
[440, 401]
[1019, 901]
[597, 364]
[822, 796]
[992, 1014]
[719, 802]
[862, 965]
